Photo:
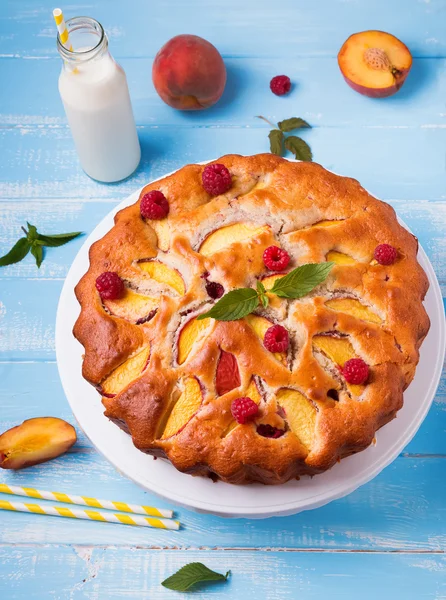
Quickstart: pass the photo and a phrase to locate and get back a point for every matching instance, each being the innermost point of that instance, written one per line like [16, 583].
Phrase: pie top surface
[169, 380]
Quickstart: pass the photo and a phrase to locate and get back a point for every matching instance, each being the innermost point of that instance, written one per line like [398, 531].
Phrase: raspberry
[268, 431]
[110, 285]
[276, 339]
[280, 85]
[355, 371]
[385, 254]
[154, 205]
[243, 409]
[216, 179]
[215, 290]
[275, 258]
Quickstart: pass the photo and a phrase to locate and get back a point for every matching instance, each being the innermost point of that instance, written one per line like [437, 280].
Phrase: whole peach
[189, 73]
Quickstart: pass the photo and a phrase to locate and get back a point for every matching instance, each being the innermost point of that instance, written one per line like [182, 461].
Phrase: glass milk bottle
[95, 95]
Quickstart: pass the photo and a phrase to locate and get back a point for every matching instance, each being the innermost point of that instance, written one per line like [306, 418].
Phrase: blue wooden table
[387, 539]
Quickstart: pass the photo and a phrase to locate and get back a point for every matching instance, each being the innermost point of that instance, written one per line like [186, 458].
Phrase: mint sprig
[292, 143]
[190, 575]
[243, 301]
[35, 242]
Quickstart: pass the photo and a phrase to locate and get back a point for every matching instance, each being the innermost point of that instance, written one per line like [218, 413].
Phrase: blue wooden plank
[249, 28]
[409, 164]
[320, 95]
[78, 573]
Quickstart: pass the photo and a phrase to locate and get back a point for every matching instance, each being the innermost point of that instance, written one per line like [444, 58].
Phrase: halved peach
[300, 414]
[374, 63]
[184, 408]
[227, 376]
[260, 326]
[132, 306]
[340, 258]
[338, 350]
[230, 234]
[121, 377]
[35, 441]
[353, 307]
[188, 336]
[164, 274]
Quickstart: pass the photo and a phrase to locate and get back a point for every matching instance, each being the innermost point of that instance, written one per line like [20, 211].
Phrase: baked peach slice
[189, 334]
[227, 376]
[260, 326]
[230, 234]
[184, 408]
[123, 375]
[339, 258]
[35, 441]
[351, 306]
[339, 351]
[132, 306]
[162, 230]
[252, 391]
[300, 414]
[374, 63]
[161, 273]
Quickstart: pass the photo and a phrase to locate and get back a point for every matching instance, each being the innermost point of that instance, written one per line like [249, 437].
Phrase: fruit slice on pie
[339, 258]
[326, 223]
[227, 376]
[164, 274]
[225, 236]
[132, 306]
[353, 307]
[260, 326]
[339, 351]
[269, 281]
[184, 408]
[190, 333]
[300, 414]
[162, 231]
[121, 377]
[252, 391]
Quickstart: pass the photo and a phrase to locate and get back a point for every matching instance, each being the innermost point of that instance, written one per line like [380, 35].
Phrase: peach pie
[297, 382]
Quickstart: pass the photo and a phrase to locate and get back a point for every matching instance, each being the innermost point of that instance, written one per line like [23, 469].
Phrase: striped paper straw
[85, 501]
[89, 515]
[62, 29]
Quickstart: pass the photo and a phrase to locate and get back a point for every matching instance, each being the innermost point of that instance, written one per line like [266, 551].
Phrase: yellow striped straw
[89, 515]
[85, 501]
[62, 29]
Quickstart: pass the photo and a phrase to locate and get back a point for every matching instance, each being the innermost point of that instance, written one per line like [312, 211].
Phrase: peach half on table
[374, 63]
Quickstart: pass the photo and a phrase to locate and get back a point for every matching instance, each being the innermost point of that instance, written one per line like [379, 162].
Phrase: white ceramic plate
[255, 500]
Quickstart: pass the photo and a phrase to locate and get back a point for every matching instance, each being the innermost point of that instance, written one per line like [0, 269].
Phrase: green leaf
[60, 239]
[32, 232]
[276, 141]
[37, 252]
[264, 300]
[293, 123]
[234, 305]
[299, 282]
[299, 148]
[261, 291]
[260, 288]
[190, 575]
[17, 253]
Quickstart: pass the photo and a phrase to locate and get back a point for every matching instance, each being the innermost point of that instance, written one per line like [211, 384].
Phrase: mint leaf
[37, 252]
[32, 232]
[260, 288]
[302, 280]
[291, 124]
[276, 141]
[234, 305]
[190, 575]
[299, 148]
[17, 253]
[59, 239]
[261, 291]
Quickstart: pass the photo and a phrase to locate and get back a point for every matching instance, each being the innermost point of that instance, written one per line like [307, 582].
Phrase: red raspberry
[110, 285]
[280, 85]
[275, 258]
[215, 290]
[268, 431]
[276, 339]
[244, 409]
[385, 254]
[216, 179]
[355, 371]
[154, 206]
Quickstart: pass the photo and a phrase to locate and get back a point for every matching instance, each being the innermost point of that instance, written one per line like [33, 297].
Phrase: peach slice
[164, 274]
[269, 281]
[252, 391]
[374, 63]
[132, 306]
[189, 335]
[225, 236]
[339, 351]
[122, 376]
[162, 230]
[353, 307]
[260, 326]
[35, 441]
[326, 223]
[227, 376]
[185, 407]
[300, 414]
[339, 258]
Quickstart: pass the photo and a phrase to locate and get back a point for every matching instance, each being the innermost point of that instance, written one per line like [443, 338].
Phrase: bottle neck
[87, 42]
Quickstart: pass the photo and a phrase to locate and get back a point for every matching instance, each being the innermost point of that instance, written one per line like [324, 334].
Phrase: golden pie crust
[157, 367]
